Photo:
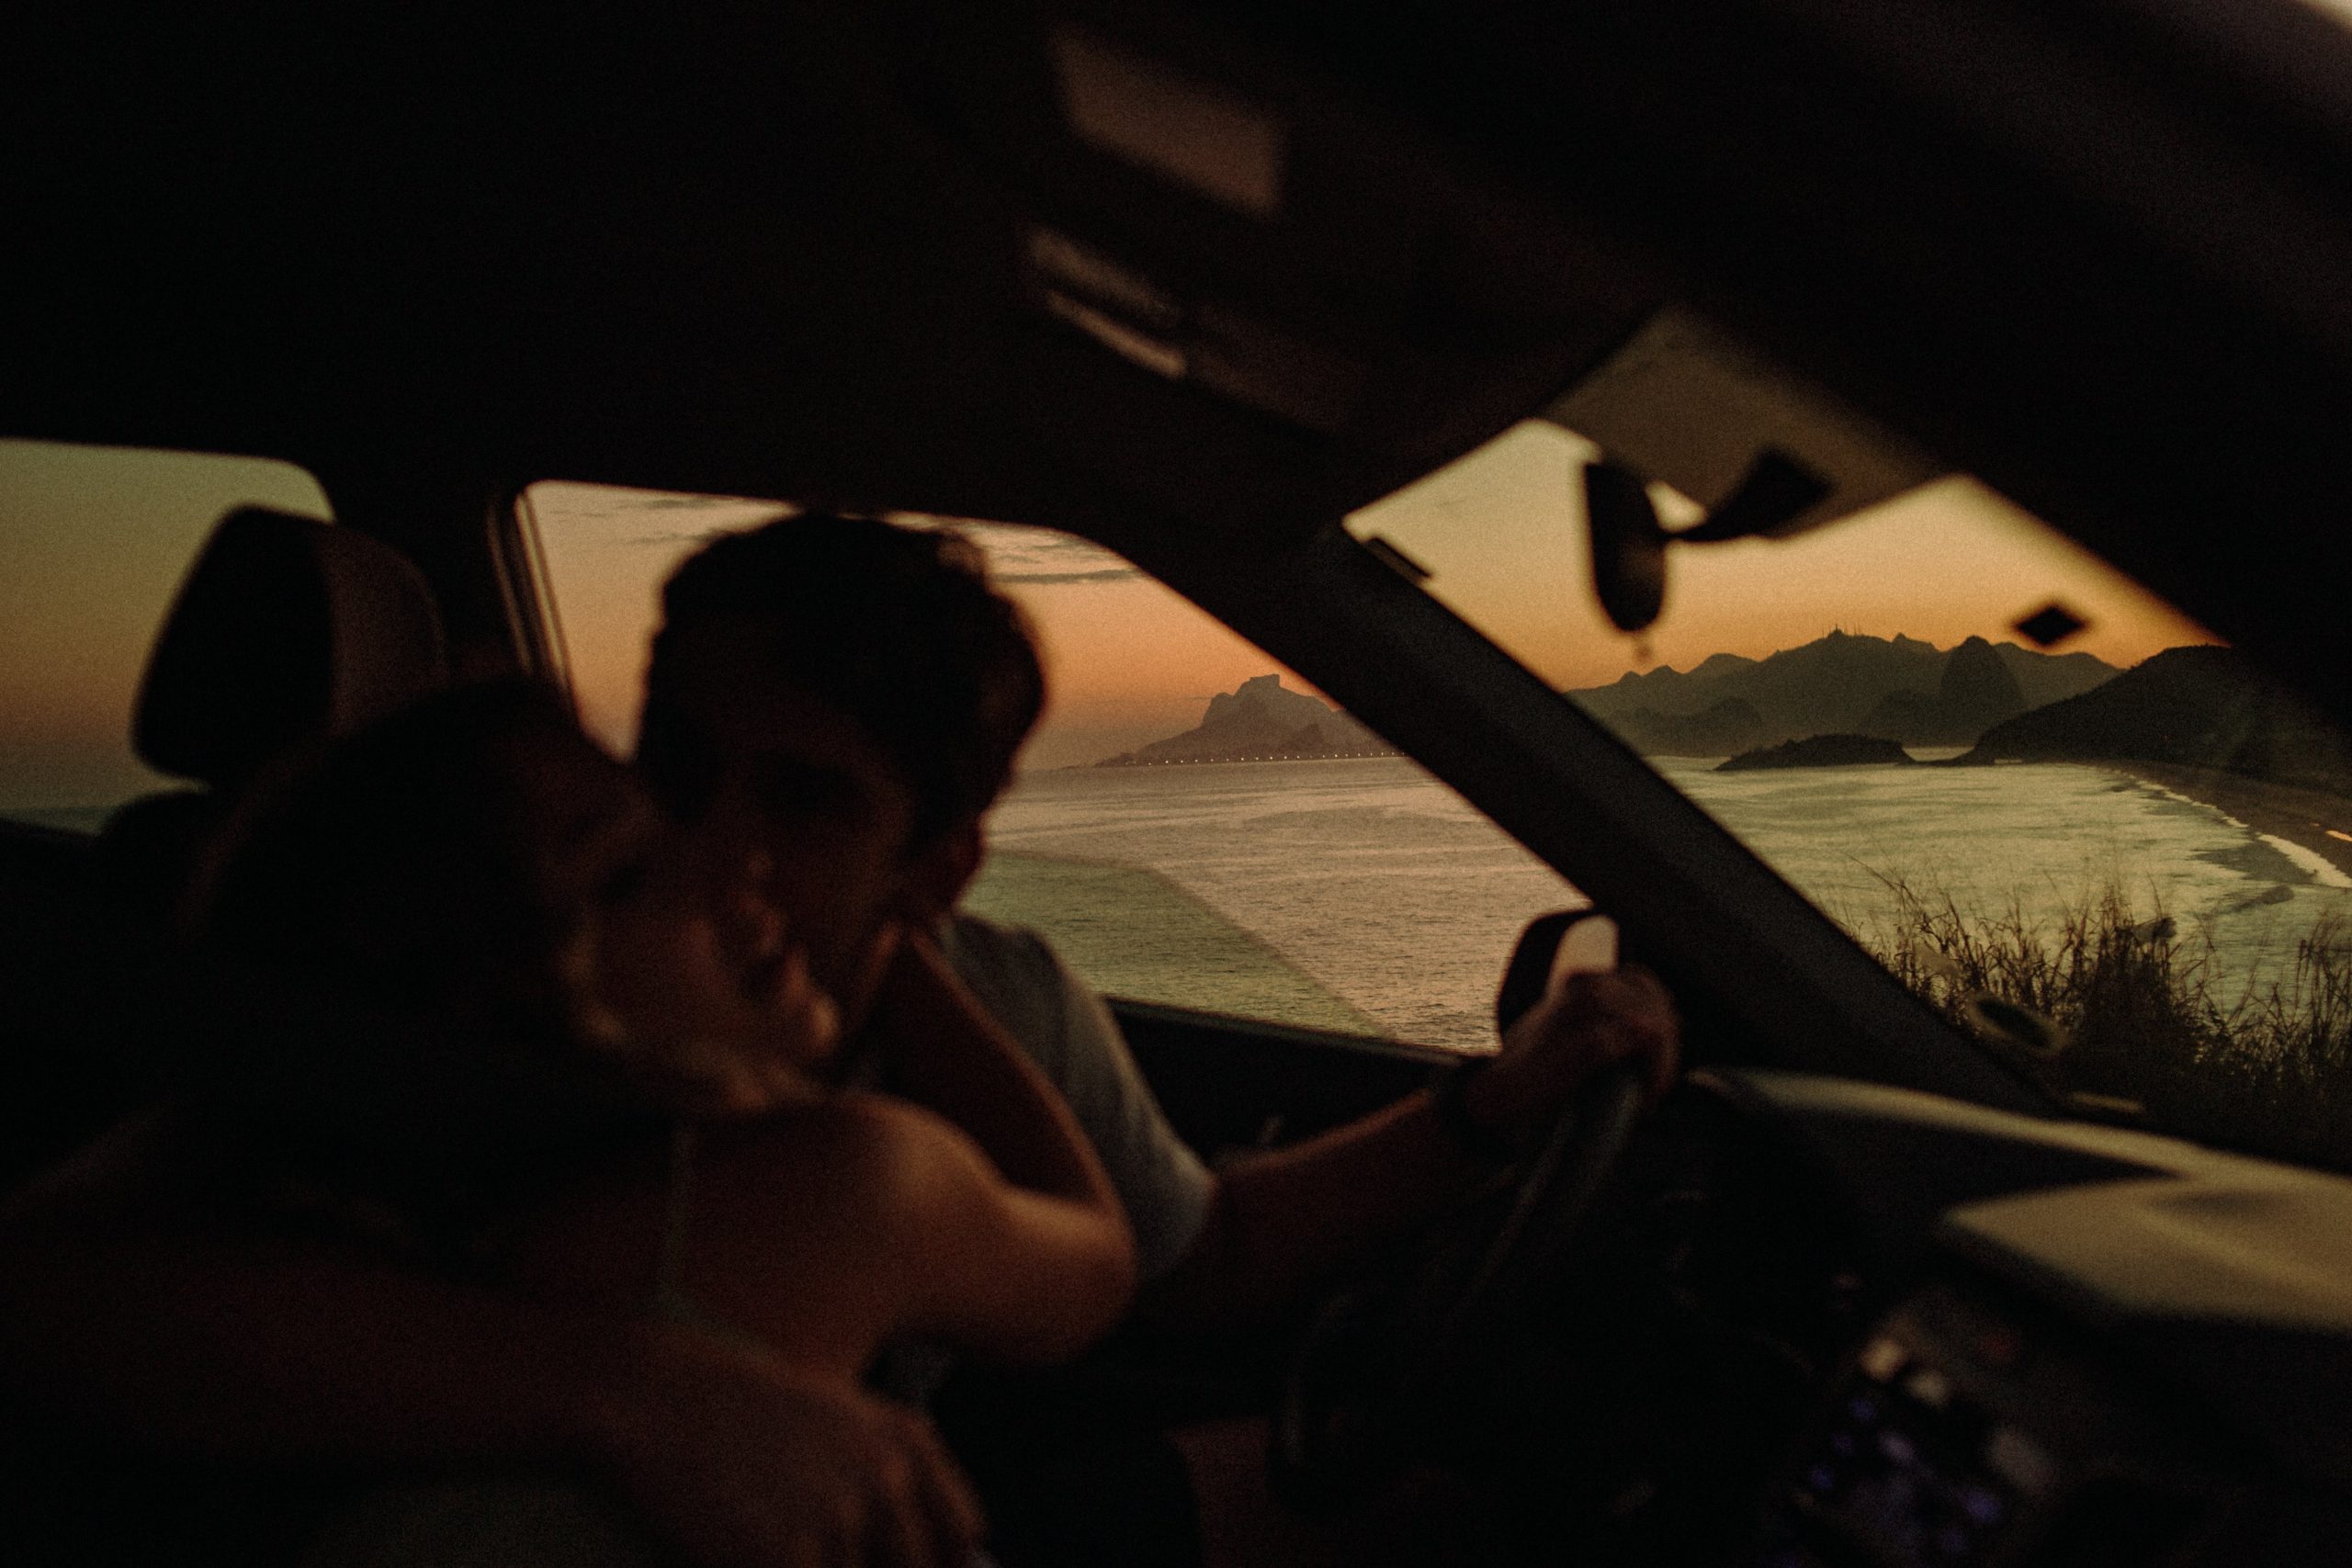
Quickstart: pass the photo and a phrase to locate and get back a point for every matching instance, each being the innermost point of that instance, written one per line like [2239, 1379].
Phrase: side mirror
[1564, 942]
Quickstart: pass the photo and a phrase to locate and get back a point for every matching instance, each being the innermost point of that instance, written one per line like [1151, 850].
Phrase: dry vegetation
[2125, 1011]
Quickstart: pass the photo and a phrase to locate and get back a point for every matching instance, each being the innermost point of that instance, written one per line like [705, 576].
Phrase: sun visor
[1685, 404]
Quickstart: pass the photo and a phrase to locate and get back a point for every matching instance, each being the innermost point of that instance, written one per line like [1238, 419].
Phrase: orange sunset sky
[93, 544]
[1129, 662]
[96, 540]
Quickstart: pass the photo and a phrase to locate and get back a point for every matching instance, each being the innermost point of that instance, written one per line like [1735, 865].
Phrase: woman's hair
[406, 865]
[396, 975]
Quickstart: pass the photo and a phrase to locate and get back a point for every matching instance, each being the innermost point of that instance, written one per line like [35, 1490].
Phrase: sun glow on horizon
[1129, 662]
[105, 534]
[1502, 531]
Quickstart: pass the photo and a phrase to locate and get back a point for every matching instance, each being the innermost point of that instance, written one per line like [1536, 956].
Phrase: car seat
[285, 630]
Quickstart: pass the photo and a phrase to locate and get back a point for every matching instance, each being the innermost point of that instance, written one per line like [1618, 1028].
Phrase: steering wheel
[1376, 1362]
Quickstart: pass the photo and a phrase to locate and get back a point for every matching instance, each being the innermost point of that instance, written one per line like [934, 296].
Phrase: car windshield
[2049, 803]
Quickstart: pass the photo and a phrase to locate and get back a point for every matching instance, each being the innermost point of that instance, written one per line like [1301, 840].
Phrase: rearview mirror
[1629, 542]
[1628, 546]
[1762, 451]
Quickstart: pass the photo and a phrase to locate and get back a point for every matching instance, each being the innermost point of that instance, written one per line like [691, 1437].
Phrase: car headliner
[778, 250]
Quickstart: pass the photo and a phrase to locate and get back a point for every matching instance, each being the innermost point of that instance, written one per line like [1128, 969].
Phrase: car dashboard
[2006, 1340]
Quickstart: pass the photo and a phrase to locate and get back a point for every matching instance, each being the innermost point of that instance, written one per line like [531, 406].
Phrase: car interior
[1195, 282]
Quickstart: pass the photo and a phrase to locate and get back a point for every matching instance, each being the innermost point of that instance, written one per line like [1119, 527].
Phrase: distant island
[1898, 689]
[1821, 752]
[1259, 722]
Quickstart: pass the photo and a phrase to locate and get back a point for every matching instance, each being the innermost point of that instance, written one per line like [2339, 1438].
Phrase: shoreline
[2302, 816]
[1123, 762]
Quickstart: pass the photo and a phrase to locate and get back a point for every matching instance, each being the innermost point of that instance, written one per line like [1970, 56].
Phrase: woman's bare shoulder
[863, 1150]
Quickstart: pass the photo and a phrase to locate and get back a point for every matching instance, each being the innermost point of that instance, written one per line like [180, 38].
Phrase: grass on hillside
[2138, 1017]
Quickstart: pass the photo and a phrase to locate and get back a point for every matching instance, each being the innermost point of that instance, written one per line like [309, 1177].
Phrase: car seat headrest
[286, 629]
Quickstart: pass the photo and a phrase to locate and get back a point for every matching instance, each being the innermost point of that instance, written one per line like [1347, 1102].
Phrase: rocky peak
[1977, 691]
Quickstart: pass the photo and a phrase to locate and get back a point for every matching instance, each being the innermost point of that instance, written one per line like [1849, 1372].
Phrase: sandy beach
[2313, 818]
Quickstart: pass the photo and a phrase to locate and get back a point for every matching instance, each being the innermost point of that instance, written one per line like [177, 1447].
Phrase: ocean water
[1391, 894]
[1364, 895]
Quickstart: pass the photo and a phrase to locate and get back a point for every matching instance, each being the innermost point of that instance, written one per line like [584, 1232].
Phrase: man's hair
[894, 627]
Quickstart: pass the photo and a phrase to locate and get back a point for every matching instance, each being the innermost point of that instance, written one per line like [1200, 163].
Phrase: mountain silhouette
[2203, 707]
[1260, 720]
[1975, 693]
[1898, 689]
[1731, 726]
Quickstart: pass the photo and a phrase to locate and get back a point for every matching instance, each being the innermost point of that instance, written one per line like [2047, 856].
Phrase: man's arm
[947, 1053]
[155, 1327]
[1279, 1224]
[867, 1219]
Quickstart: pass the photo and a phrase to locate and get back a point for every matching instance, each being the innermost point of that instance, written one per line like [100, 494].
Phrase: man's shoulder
[975, 944]
[1019, 978]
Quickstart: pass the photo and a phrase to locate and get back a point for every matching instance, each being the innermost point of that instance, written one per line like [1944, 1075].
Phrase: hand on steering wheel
[1369, 1368]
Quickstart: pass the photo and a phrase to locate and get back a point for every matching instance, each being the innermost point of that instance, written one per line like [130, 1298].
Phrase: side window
[96, 540]
[1192, 824]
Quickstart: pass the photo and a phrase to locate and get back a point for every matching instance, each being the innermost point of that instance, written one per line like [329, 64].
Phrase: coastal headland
[1259, 722]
